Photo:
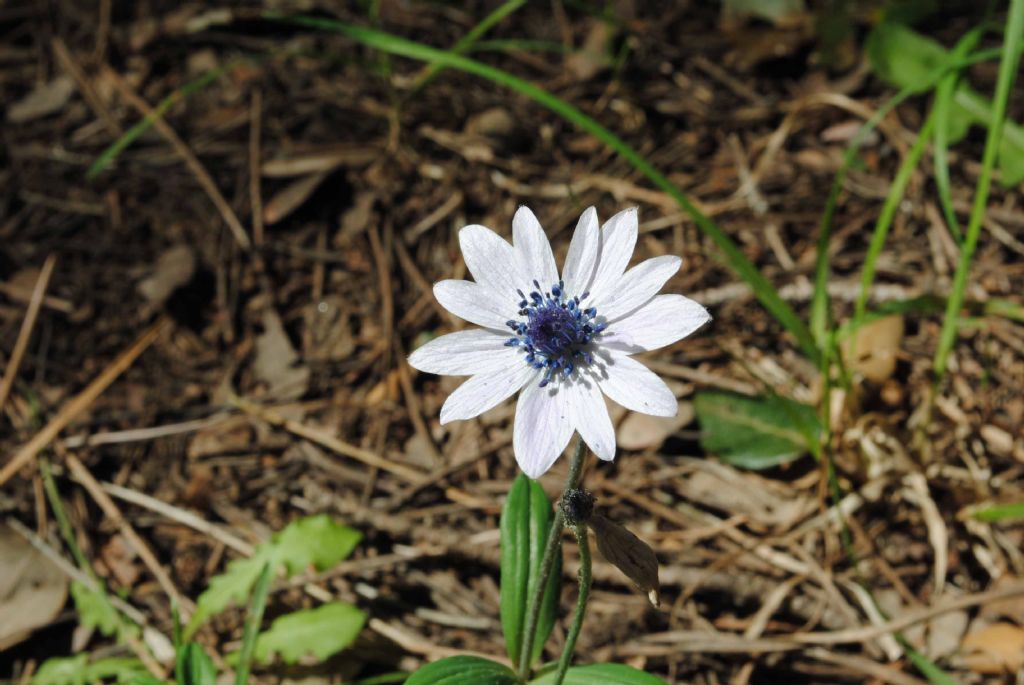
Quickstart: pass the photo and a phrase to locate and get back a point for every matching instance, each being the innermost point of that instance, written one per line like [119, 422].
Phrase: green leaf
[322, 631]
[601, 674]
[96, 611]
[77, 670]
[316, 541]
[525, 524]
[464, 670]
[1000, 512]
[252, 625]
[903, 56]
[756, 432]
[194, 667]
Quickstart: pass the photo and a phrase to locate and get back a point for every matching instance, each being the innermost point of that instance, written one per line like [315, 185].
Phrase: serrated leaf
[318, 541]
[95, 611]
[464, 670]
[755, 432]
[601, 674]
[194, 667]
[525, 524]
[322, 631]
[78, 670]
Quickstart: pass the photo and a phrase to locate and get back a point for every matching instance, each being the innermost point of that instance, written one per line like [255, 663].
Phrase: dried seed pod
[630, 554]
[577, 505]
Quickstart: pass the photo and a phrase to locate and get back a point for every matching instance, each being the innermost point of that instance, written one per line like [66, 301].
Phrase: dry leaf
[275, 362]
[44, 99]
[629, 554]
[32, 589]
[233, 435]
[173, 269]
[641, 431]
[330, 326]
[878, 344]
[291, 197]
[995, 650]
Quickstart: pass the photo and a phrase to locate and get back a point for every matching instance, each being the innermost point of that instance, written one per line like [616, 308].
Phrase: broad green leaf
[907, 59]
[77, 670]
[194, 667]
[601, 674]
[464, 670]
[755, 432]
[1001, 512]
[316, 541]
[525, 524]
[903, 56]
[322, 631]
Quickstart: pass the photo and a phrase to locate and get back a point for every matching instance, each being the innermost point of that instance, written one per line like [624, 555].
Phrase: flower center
[555, 330]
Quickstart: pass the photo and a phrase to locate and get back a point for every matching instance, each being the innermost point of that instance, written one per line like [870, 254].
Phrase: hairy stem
[583, 540]
[553, 548]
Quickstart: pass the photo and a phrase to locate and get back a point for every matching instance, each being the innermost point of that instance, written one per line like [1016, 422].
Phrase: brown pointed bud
[630, 554]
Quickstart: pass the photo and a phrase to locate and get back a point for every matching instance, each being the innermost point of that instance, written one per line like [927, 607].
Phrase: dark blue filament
[555, 331]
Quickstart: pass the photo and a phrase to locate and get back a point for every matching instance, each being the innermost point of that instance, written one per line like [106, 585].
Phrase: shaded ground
[364, 181]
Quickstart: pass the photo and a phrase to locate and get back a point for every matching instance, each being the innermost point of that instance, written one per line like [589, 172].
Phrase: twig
[82, 401]
[25, 334]
[112, 512]
[191, 161]
[181, 516]
[255, 196]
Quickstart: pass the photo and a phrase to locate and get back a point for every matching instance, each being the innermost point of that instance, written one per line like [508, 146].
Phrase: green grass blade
[885, 219]
[131, 135]
[252, 624]
[1008, 65]
[465, 43]
[732, 255]
[1001, 512]
[943, 105]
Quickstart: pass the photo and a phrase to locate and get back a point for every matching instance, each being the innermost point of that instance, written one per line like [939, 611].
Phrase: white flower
[562, 341]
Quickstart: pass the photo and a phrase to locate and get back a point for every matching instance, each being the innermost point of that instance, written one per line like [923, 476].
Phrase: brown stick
[80, 402]
[25, 334]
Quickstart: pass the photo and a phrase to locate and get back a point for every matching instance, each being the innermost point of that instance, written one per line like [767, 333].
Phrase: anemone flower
[563, 341]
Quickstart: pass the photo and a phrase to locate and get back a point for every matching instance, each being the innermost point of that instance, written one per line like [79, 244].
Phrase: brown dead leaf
[320, 161]
[997, 649]
[276, 361]
[1011, 608]
[226, 437]
[877, 346]
[45, 99]
[291, 197]
[595, 54]
[629, 554]
[119, 558]
[173, 269]
[641, 431]
[32, 589]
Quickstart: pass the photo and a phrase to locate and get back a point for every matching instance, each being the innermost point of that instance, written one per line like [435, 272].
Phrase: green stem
[553, 548]
[583, 540]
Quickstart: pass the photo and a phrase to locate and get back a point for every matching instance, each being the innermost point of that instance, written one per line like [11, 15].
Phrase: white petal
[662, 321]
[536, 260]
[492, 262]
[637, 286]
[634, 386]
[486, 391]
[542, 427]
[582, 257]
[618, 238]
[475, 303]
[590, 416]
[466, 353]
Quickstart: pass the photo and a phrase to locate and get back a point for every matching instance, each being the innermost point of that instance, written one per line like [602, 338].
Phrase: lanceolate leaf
[525, 523]
[322, 632]
[194, 667]
[464, 670]
[601, 674]
[756, 432]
